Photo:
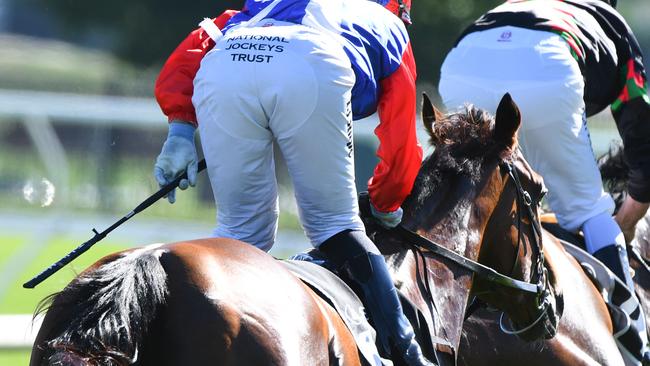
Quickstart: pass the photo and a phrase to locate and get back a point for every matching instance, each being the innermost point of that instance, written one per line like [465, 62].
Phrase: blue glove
[388, 220]
[177, 156]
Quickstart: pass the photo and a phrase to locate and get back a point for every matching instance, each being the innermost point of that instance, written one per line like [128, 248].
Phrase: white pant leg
[237, 145]
[240, 167]
[320, 160]
[296, 96]
[537, 69]
[312, 121]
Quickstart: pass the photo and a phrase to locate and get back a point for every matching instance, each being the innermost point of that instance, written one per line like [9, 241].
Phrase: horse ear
[430, 114]
[508, 120]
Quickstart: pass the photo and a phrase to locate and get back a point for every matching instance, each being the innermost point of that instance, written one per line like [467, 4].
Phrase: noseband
[540, 288]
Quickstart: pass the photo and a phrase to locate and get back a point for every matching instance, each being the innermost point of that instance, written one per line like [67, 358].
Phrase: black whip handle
[99, 236]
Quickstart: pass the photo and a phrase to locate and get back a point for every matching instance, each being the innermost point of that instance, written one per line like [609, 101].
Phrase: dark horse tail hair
[614, 172]
[110, 309]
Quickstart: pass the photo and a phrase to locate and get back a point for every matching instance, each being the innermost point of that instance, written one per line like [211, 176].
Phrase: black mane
[614, 172]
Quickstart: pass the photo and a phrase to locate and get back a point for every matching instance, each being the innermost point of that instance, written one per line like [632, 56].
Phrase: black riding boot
[354, 252]
[615, 258]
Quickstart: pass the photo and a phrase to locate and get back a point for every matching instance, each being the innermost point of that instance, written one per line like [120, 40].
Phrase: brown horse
[220, 301]
[584, 333]
[191, 303]
[477, 196]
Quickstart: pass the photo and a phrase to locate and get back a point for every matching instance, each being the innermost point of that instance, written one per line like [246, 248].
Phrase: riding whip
[99, 236]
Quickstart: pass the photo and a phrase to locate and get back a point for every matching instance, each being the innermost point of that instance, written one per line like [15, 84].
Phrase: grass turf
[17, 300]
[14, 356]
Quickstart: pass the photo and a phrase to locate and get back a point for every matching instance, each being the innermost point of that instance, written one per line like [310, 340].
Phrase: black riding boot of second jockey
[615, 258]
[354, 252]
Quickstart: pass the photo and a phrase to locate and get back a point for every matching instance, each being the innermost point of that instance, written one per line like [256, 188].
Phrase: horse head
[477, 196]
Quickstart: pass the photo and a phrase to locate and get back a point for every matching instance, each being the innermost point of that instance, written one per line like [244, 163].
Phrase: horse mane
[467, 126]
[614, 172]
[111, 309]
[467, 134]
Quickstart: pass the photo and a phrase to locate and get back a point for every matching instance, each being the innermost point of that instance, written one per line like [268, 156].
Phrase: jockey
[298, 72]
[564, 61]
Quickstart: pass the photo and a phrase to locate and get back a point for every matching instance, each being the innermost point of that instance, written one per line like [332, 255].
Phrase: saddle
[624, 308]
[339, 295]
[315, 271]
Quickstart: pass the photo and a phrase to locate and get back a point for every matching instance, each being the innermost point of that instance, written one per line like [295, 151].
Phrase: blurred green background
[79, 130]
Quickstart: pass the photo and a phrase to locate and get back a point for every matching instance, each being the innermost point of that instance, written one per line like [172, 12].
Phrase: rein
[479, 269]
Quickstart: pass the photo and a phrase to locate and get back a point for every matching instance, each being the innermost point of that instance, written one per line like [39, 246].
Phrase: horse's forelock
[471, 126]
[614, 172]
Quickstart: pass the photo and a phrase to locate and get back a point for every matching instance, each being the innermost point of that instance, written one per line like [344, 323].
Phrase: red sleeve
[174, 86]
[400, 154]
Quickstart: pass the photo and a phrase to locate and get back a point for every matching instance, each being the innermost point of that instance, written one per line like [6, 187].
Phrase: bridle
[541, 288]
[543, 296]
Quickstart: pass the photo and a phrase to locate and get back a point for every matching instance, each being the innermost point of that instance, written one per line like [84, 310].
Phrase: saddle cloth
[625, 310]
[339, 295]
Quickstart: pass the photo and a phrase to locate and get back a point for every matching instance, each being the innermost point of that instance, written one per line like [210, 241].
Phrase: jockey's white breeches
[543, 78]
[290, 84]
